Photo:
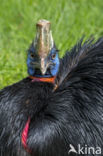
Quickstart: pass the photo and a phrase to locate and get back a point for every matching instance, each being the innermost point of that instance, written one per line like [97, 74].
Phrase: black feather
[72, 114]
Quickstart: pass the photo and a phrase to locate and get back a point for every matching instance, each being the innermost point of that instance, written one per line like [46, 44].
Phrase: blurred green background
[71, 19]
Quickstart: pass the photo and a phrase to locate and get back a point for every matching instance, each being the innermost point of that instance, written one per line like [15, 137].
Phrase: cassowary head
[43, 60]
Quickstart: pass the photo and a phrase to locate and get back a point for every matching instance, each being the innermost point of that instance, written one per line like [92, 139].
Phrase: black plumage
[70, 114]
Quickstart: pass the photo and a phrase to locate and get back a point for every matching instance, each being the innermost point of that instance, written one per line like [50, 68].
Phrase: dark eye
[53, 56]
[32, 55]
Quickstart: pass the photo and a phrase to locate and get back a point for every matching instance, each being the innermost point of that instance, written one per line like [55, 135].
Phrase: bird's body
[70, 114]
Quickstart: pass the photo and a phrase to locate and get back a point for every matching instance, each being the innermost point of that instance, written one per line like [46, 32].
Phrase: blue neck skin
[52, 60]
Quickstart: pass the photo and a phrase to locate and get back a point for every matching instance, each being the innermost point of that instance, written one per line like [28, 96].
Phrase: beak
[43, 66]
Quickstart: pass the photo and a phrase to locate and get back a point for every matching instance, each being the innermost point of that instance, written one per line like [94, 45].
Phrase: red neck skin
[24, 136]
[43, 79]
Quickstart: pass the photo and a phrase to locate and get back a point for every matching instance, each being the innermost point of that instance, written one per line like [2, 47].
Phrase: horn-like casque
[44, 40]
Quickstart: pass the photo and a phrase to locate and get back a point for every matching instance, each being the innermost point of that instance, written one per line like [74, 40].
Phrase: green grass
[71, 19]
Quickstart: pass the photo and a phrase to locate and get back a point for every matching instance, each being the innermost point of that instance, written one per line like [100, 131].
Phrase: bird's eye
[32, 55]
[53, 56]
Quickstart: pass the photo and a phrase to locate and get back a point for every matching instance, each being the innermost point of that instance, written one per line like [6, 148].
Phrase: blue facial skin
[52, 60]
[55, 66]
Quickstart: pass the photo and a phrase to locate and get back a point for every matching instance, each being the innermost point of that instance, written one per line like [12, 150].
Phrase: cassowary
[59, 107]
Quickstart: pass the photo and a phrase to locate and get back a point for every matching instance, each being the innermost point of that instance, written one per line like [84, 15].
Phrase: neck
[43, 79]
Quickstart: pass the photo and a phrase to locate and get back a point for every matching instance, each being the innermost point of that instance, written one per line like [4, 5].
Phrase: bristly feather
[70, 115]
[74, 58]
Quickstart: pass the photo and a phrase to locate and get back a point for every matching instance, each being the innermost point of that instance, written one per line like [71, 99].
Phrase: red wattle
[24, 135]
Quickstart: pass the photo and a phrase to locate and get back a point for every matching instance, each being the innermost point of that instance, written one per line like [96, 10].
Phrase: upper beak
[43, 66]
